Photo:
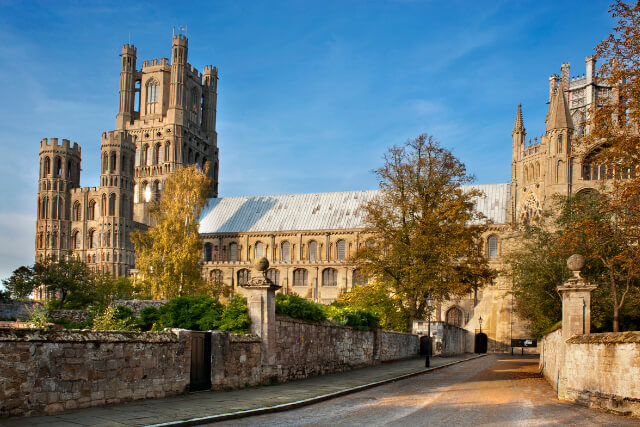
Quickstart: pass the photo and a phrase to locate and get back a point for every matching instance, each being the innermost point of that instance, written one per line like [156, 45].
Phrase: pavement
[210, 406]
[495, 391]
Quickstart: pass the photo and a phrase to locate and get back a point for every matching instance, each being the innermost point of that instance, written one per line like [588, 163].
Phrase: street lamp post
[429, 304]
[480, 322]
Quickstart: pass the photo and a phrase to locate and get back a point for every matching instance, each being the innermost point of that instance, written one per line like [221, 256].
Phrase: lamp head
[429, 301]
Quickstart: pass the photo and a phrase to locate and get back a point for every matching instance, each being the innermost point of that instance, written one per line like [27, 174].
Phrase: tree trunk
[616, 318]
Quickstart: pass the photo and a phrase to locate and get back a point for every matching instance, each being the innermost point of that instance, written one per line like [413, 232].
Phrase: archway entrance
[481, 343]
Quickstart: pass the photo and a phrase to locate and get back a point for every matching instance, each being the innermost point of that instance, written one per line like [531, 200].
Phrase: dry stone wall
[236, 360]
[599, 370]
[12, 309]
[45, 371]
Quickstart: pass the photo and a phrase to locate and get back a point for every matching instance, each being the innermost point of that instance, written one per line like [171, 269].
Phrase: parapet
[52, 143]
[210, 69]
[180, 40]
[129, 49]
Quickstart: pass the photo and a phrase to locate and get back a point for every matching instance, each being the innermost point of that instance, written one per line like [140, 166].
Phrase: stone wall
[302, 350]
[48, 371]
[599, 370]
[397, 345]
[12, 309]
[305, 349]
[75, 316]
[236, 360]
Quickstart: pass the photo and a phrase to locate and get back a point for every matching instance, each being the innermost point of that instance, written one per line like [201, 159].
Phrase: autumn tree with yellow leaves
[426, 234]
[168, 253]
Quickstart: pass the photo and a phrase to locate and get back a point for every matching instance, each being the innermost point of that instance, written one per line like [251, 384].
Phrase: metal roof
[317, 211]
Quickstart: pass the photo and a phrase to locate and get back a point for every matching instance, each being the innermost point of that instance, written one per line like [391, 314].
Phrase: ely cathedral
[167, 119]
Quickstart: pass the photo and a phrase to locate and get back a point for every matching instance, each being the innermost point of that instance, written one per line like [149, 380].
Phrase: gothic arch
[455, 316]
[530, 210]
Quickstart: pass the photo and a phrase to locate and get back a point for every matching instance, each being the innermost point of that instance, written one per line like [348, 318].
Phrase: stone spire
[519, 125]
[558, 117]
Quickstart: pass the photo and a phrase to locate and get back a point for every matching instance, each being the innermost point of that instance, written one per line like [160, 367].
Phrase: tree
[592, 227]
[379, 298]
[582, 225]
[613, 122]
[424, 228]
[20, 284]
[535, 269]
[64, 278]
[168, 254]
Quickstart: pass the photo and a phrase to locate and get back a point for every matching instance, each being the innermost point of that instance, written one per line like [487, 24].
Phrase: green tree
[168, 253]
[20, 284]
[66, 278]
[424, 228]
[378, 297]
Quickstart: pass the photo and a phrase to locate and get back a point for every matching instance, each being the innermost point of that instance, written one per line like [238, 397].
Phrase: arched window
[54, 208]
[559, 143]
[359, 278]
[273, 275]
[259, 250]
[146, 156]
[341, 250]
[123, 206]
[112, 164]
[313, 249]
[454, 317]
[138, 158]
[105, 162]
[300, 277]
[167, 146]
[91, 213]
[77, 211]
[243, 276]
[75, 240]
[560, 171]
[112, 204]
[152, 91]
[537, 170]
[233, 252]
[157, 152]
[330, 277]
[57, 168]
[207, 252]
[45, 208]
[46, 169]
[156, 190]
[285, 251]
[492, 247]
[103, 207]
[92, 239]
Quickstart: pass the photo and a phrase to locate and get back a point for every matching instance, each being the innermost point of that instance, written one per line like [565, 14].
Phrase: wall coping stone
[607, 338]
[84, 335]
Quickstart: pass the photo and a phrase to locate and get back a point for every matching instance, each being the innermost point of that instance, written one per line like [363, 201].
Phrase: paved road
[494, 390]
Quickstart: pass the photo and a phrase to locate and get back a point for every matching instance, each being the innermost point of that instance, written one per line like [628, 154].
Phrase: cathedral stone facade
[167, 119]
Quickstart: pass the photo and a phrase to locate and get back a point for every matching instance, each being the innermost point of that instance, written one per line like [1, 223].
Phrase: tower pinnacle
[519, 125]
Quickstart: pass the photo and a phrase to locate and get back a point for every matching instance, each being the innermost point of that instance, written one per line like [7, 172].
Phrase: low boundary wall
[48, 371]
[599, 370]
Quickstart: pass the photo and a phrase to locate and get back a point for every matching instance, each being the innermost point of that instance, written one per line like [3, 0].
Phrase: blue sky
[311, 93]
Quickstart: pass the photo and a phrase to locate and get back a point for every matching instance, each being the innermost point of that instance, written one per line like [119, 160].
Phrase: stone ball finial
[262, 264]
[575, 262]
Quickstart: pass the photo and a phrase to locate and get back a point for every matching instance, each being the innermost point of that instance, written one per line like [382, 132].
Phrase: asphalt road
[494, 390]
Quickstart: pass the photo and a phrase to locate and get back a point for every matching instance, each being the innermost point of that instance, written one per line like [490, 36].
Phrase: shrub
[148, 317]
[235, 317]
[113, 318]
[345, 315]
[195, 313]
[299, 308]
[38, 315]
